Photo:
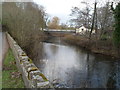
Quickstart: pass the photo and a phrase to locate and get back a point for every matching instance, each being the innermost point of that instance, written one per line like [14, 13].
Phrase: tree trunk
[93, 19]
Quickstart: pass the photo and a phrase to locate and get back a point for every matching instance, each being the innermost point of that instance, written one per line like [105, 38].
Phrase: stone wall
[32, 76]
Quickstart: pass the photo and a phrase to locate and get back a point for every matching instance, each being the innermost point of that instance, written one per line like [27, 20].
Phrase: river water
[71, 67]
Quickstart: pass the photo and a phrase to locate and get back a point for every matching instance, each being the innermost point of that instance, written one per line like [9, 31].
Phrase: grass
[11, 77]
[0, 80]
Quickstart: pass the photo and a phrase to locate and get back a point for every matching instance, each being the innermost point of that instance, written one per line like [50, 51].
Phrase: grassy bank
[105, 47]
[11, 77]
[0, 80]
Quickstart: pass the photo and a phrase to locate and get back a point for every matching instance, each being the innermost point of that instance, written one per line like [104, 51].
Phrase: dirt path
[3, 46]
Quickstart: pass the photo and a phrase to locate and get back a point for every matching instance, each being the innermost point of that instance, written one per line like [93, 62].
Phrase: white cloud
[60, 8]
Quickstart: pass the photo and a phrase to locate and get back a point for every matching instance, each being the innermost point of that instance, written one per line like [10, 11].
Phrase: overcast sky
[60, 8]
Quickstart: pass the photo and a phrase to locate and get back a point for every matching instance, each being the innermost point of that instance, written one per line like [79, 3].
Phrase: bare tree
[54, 23]
[24, 20]
[93, 20]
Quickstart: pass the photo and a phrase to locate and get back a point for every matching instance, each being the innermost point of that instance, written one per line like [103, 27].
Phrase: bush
[103, 37]
[23, 22]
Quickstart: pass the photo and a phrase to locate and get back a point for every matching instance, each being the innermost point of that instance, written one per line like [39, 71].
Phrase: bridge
[59, 30]
[60, 33]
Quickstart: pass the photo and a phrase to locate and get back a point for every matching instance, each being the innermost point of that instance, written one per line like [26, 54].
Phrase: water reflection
[73, 67]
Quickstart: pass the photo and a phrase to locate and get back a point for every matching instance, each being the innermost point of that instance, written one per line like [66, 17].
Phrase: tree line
[54, 23]
[99, 18]
[104, 19]
[23, 20]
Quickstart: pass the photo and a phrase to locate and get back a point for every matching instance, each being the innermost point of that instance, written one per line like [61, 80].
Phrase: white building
[83, 30]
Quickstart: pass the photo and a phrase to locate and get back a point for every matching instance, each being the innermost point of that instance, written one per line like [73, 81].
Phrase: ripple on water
[74, 67]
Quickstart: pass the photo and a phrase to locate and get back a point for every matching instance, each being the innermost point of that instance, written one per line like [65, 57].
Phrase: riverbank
[11, 77]
[105, 47]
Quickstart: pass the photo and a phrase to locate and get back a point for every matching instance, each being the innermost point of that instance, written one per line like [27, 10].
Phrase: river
[72, 67]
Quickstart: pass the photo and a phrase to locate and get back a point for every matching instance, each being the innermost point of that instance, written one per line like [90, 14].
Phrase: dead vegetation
[105, 47]
[24, 21]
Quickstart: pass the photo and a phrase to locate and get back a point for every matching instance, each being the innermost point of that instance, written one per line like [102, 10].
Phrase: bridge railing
[58, 30]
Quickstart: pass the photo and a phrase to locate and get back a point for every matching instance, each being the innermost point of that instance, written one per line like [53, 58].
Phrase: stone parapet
[32, 76]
